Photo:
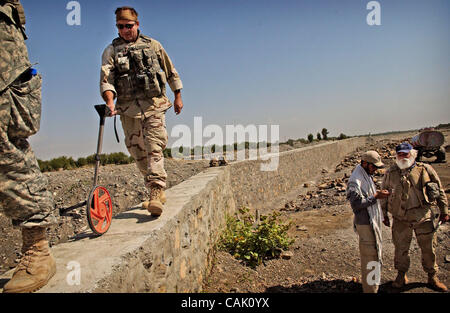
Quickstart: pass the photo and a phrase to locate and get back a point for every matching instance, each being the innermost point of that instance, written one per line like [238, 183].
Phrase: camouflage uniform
[412, 210]
[23, 188]
[142, 114]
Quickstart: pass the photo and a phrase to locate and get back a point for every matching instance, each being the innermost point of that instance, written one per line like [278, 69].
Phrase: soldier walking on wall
[135, 70]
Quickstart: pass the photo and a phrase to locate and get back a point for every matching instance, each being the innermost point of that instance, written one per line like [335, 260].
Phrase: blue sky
[303, 65]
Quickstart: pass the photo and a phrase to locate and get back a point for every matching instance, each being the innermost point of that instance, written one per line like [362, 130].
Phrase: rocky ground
[325, 254]
[124, 183]
[69, 188]
[323, 258]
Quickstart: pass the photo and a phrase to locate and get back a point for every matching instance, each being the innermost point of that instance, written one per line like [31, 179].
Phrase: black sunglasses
[127, 26]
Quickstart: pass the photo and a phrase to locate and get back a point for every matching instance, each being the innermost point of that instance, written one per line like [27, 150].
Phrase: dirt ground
[124, 183]
[325, 254]
[69, 188]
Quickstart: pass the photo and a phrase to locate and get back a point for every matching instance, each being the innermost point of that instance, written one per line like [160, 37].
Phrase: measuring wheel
[99, 210]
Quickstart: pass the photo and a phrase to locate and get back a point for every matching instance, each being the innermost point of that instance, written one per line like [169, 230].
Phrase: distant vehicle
[429, 143]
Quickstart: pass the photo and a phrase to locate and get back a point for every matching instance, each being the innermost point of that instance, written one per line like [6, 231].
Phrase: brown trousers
[402, 233]
[368, 252]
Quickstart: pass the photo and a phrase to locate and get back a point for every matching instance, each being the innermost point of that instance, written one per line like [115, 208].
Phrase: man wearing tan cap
[135, 70]
[363, 197]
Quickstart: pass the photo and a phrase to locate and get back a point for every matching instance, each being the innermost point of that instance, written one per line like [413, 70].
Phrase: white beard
[406, 162]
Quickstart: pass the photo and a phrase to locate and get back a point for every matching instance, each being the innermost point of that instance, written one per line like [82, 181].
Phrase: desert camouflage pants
[402, 233]
[23, 188]
[146, 138]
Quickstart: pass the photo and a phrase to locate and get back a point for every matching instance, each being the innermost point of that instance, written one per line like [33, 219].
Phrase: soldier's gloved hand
[444, 218]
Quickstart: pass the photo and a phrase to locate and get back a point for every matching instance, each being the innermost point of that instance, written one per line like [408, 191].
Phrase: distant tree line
[68, 163]
[322, 135]
[440, 126]
[201, 150]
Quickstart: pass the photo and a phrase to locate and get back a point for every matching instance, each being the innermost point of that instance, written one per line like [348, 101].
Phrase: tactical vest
[418, 177]
[138, 71]
[13, 51]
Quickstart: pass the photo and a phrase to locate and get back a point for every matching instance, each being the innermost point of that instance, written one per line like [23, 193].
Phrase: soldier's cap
[372, 157]
[403, 147]
[126, 13]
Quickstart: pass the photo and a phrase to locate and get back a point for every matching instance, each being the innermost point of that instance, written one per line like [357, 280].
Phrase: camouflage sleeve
[173, 79]
[442, 201]
[107, 71]
[385, 185]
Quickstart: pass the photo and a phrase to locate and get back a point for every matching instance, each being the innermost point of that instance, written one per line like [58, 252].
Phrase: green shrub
[310, 137]
[117, 158]
[304, 141]
[255, 243]
[167, 153]
[81, 162]
[342, 136]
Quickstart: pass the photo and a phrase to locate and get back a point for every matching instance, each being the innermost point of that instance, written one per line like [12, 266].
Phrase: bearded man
[413, 190]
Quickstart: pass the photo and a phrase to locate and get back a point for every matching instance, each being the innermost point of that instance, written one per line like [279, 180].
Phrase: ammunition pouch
[124, 87]
[432, 190]
[139, 74]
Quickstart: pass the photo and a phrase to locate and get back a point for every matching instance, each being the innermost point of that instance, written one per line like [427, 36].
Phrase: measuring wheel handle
[99, 210]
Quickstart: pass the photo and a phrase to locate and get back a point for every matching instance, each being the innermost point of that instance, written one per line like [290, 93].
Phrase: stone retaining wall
[173, 252]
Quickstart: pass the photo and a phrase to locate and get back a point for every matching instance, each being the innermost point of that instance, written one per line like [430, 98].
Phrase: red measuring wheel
[99, 210]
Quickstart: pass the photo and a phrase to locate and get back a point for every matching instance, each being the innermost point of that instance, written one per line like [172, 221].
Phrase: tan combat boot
[400, 281]
[434, 282]
[37, 265]
[162, 199]
[155, 205]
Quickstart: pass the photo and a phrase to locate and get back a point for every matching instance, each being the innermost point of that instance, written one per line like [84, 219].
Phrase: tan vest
[416, 180]
[138, 71]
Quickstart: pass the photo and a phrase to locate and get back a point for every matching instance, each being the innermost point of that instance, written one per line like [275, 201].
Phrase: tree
[325, 133]
[342, 136]
[319, 137]
[310, 137]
